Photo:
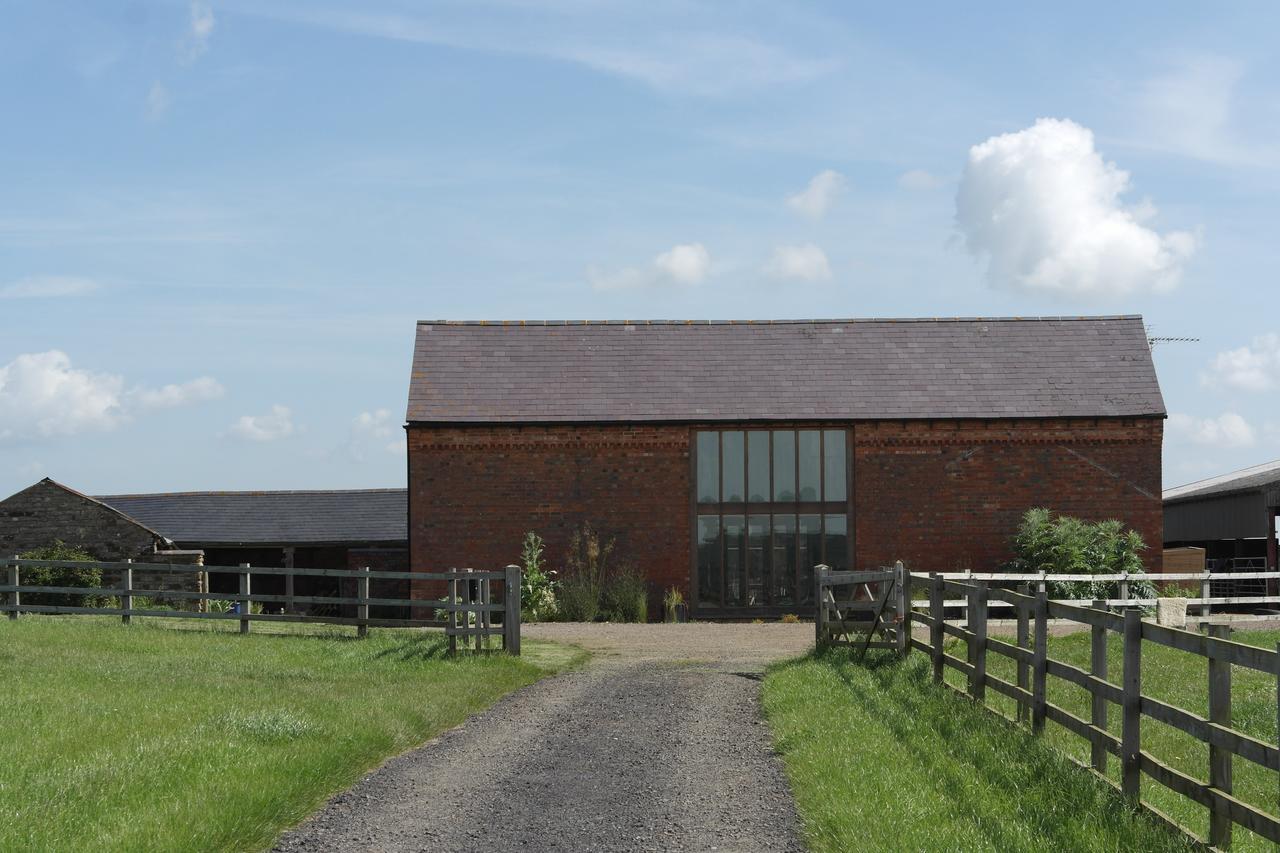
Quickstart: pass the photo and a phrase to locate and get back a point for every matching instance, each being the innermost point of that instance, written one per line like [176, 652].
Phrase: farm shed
[728, 458]
[1233, 517]
[328, 529]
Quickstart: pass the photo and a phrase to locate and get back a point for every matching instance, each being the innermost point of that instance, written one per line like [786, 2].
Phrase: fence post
[126, 592]
[1023, 642]
[904, 608]
[1219, 758]
[362, 593]
[936, 591]
[1098, 669]
[244, 598]
[483, 619]
[511, 617]
[978, 643]
[1124, 589]
[450, 614]
[964, 608]
[1039, 663]
[471, 639]
[15, 597]
[1131, 728]
[1206, 589]
[820, 618]
[1040, 584]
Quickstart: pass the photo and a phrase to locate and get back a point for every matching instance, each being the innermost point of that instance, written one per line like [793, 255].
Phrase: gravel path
[658, 744]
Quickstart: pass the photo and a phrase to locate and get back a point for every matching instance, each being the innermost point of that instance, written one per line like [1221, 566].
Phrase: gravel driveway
[657, 744]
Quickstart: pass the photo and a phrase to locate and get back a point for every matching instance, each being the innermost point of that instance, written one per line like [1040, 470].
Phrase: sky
[219, 222]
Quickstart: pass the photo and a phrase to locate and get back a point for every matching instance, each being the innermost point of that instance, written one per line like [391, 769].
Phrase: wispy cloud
[920, 181]
[816, 199]
[47, 287]
[199, 30]
[668, 51]
[171, 396]
[1046, 212]
[158, 101]
[375, 431]
[1255, 367]
[685, 264]
[1226, 430]
[273, 426]
[805, 262]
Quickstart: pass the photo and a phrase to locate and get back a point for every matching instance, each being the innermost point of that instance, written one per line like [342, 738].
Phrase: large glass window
[733, 458]
[795, 484]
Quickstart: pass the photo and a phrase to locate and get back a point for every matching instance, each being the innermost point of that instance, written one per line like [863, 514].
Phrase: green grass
[150, 738]
[1178, 678]
[881, 758]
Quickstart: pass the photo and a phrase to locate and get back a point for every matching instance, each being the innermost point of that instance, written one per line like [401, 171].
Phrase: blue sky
[219, 221]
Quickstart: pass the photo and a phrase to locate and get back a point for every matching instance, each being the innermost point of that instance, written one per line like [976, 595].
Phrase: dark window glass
[708, 467]
[810, 464]
[758, 466]
[709, 560]
[757, 558]
[784, 559]
[809, 554]
[784, 465]
[834, 467]
[836, 553]
[733, 460]
[733, 562]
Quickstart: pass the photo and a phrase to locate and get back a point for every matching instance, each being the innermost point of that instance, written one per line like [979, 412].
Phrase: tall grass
[149, 738]
[881, 758]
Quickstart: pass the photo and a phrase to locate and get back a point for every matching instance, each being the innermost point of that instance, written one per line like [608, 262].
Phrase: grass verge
[150, 738]
[881, 758]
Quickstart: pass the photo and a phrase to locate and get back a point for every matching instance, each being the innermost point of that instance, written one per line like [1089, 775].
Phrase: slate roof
[362, 516]
[1259, 478]
[530, 372]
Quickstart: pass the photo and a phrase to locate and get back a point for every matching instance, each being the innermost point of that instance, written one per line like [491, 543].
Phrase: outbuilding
[727, 459]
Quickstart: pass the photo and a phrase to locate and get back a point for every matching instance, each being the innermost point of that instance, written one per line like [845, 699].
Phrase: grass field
[168, 735]
[1180, 679]
[881, 758]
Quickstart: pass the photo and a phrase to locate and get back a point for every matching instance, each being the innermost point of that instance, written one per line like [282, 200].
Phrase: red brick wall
[474, 491]
[938, 495]
[947, 496]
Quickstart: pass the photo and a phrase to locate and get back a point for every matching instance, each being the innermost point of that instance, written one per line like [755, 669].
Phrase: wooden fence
[468, 610]
[1034, 667]
[874, 605]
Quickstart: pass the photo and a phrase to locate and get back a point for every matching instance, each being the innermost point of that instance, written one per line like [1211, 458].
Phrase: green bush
[582, 580]
[1064, 545]
[86, 578]
[537, 585]
[624, 597]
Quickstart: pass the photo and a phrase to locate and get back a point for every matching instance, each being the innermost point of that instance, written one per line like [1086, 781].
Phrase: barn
[728, 458]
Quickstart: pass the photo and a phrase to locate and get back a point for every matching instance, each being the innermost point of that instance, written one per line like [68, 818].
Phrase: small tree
[537, 585]
[85, 578]
[1064, 545]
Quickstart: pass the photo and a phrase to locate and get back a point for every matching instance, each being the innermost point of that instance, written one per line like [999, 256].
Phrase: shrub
[85, 578]
[790, 618]
[582, 580]
[537, 586]
[671, 602]
[625, 597]
[1065, 545]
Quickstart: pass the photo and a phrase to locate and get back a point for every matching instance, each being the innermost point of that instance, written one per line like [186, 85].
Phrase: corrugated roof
[272, 518]
[502, 372]
[1258, 478]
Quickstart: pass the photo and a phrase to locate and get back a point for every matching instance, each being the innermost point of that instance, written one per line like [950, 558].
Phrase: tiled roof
[507, 372]
[1259, 478]
[365, 516]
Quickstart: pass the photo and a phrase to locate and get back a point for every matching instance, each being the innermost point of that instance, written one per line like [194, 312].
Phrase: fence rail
[1034, 667]
[468, 608]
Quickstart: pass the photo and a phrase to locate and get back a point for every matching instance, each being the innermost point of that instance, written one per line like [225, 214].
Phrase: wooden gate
[855, 607]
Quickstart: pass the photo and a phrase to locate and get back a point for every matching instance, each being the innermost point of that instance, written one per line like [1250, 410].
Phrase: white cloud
[1250, 368]
[43, 395]
[806, 262]
[273, 426]
[199, 31]
[1227, 430]
[920, 180]
[171, 396]
[817, 198]
[158, 101]
[1045, 210]
[376, 429]
[684, 264]
[47, 286]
